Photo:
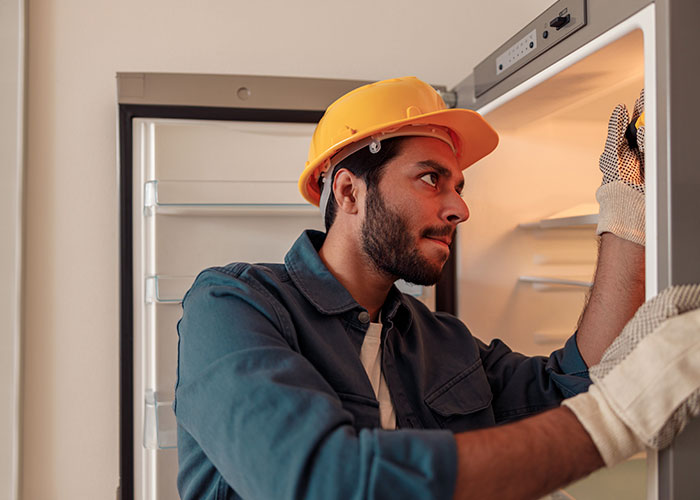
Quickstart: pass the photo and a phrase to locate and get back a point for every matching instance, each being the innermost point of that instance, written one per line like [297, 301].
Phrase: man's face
[410, 218]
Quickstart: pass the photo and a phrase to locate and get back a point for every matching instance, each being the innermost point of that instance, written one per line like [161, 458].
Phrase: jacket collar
[313, 279]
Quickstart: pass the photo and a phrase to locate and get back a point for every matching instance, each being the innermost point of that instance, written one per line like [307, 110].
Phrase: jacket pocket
[364, 410]
[464, 401]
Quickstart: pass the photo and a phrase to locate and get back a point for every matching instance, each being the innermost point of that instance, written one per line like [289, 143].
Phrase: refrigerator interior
[545, 167]
[205, 193]
[527, 254]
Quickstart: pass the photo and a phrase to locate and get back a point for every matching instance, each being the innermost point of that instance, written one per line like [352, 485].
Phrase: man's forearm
[526, 459]
[618, 291]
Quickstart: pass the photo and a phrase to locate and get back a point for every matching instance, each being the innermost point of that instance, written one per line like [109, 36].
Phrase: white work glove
[621, 194]
[647, 386]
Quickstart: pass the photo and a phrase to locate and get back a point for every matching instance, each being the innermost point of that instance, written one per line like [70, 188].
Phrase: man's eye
[430, 179]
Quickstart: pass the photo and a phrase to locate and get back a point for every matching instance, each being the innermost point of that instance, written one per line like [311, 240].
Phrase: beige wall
[70, 406]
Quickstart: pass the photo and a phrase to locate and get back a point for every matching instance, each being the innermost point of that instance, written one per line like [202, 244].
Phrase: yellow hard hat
[396, 107]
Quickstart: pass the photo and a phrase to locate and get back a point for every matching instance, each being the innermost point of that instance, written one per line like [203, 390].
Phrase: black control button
[532, 44]
[545, 34]
[560, 21]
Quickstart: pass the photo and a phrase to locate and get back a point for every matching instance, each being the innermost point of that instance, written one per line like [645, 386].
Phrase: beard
[387, 241]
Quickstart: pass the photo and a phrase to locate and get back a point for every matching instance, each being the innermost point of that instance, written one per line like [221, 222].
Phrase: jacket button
[363, 317]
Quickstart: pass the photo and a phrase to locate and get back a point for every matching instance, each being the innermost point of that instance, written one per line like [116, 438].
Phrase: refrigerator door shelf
[279, 198]
[584, 215]
[167, 289]
[159, 425]
[544, 283]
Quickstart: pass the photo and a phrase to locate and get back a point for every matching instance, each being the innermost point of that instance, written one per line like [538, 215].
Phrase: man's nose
[455, 210]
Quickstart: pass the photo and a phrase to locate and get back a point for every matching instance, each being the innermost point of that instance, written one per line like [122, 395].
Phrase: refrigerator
[208, 168]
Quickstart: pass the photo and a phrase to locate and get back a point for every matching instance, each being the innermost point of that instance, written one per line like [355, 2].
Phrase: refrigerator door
[531, 241]
[532, 200]
[678, 204]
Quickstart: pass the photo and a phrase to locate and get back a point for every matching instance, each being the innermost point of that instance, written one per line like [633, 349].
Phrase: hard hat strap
[325, 194]
[375, 145]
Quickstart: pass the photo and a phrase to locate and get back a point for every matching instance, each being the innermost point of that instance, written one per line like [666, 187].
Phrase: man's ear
[347, 189]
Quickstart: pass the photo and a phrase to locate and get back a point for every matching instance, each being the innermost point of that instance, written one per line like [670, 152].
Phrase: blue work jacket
[272, 401]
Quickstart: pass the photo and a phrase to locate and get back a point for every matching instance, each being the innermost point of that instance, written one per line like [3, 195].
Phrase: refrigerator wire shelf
[580, 216]
[544, 283]
[167, 289]
[232, 198]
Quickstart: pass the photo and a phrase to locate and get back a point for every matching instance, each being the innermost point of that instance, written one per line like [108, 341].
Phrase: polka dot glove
[621, 194]
[646, 387]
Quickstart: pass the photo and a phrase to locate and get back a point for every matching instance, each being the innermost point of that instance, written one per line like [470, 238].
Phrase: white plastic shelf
[542, 283]
[167, 289]
[159, 424]
[579, 216]
[279, 198]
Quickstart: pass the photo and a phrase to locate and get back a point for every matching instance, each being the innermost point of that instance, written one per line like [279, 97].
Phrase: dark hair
[365, 165]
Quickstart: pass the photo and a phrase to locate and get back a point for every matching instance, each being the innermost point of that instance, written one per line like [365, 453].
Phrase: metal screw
[243, 93]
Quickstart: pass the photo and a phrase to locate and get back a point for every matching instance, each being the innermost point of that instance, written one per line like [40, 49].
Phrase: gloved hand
[647, 385]
[621, 194]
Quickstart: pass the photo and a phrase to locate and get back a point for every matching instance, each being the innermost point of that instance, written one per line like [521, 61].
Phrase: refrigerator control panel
[559, 21]
[520, 50]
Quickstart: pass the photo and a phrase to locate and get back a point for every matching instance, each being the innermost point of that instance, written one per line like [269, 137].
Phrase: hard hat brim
[474, 136]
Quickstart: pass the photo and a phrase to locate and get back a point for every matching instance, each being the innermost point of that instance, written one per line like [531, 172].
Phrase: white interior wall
[75, 47]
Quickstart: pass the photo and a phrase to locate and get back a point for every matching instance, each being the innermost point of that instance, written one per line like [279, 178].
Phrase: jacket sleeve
[524, 385]
[270, 425]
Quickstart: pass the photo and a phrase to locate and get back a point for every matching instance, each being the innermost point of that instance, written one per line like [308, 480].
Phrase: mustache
[438, 231]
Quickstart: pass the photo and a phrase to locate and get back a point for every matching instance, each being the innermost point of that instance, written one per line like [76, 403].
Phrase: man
[316, 378]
